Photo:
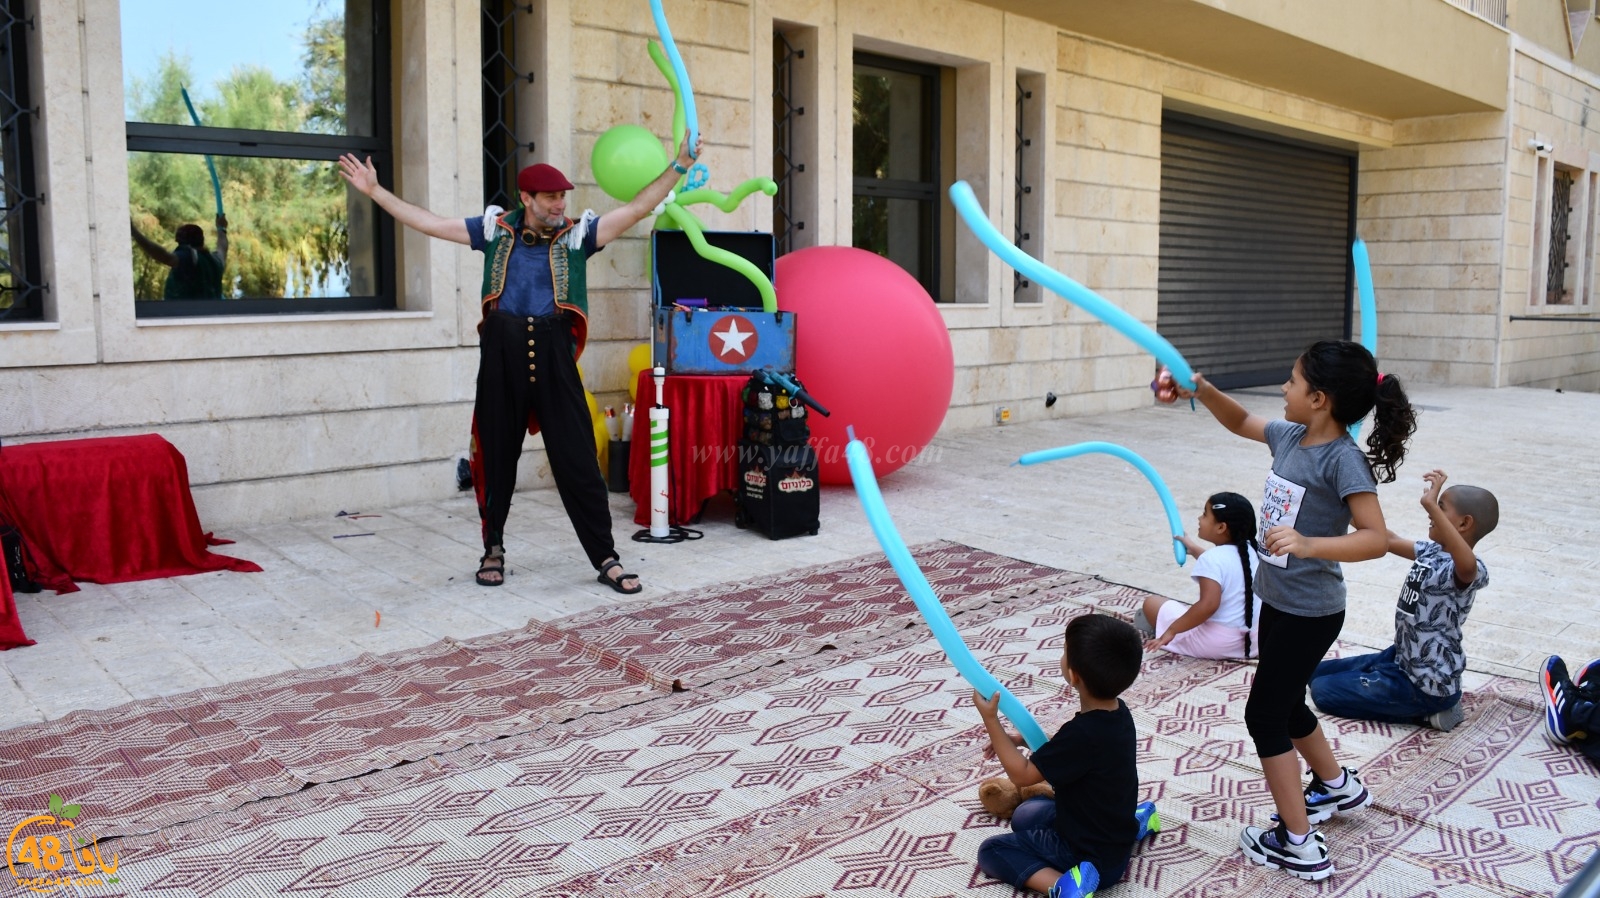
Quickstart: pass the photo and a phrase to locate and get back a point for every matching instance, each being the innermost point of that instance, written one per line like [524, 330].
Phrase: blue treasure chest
[708, 317]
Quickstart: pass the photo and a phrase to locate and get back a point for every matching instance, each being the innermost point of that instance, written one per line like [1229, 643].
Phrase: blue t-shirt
[528, 288]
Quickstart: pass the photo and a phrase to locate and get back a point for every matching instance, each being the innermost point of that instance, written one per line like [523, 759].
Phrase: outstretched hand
[363, 176]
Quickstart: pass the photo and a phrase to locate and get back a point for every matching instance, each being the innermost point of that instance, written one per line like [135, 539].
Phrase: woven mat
[160, 762]
[852, 766]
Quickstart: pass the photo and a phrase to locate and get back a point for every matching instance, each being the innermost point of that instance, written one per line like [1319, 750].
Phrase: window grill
[1020, 236]
[21, 283]
[784, 167]
[1560, 209]
[502, 81]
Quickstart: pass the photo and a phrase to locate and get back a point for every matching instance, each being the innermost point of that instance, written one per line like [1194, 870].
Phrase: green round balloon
[626, 159]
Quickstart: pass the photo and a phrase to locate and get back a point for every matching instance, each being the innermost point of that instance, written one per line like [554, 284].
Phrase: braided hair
[1239, 516]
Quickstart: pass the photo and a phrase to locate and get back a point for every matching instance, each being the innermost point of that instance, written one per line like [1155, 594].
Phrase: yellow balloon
[638, 360]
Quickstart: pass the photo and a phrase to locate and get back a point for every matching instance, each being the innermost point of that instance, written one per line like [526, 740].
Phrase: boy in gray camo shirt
[1418, 679]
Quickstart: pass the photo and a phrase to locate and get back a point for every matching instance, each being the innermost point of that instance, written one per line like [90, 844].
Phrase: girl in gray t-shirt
[1320, 484]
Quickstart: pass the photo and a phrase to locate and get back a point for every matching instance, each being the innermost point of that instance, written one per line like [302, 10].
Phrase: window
[21, 283]
[507, 70]
[785, 112]
[245, 115]
[1562, 262]
[895, 209]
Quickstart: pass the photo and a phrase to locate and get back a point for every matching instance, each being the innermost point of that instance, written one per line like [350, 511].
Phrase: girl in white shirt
[1220, 623]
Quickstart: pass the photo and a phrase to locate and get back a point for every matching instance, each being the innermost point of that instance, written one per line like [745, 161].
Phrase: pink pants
[1209, 640]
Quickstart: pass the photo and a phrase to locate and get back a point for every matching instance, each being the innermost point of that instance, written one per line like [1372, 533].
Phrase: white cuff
[671, 195]
[489, 216]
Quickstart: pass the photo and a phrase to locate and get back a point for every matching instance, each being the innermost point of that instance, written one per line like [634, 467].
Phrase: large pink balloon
[871, 346]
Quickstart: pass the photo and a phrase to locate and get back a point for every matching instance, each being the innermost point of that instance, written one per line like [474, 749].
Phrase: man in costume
[535, 323]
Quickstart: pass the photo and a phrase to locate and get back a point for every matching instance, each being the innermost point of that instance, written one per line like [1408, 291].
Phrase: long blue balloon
[685, 90]
[216, 185]
[916, 584]
[1369, 297]
[1133, 458]
[1068, 289]
[1369, 308]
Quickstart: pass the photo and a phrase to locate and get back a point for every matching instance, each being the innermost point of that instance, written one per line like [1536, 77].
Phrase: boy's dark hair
[191, 235]
[1105, 653]
[1239, 515]
[1348, 375]
[1480, 504]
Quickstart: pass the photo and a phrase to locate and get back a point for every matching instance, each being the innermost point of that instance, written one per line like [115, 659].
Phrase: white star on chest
[732, 338]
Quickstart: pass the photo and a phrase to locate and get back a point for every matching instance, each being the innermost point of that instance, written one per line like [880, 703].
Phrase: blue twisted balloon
[1068, 289]
[1369, 307]
[1133, 458]
[685, 89]
[916, 584]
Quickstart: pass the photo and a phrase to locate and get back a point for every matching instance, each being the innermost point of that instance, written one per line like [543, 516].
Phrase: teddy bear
[1000, 796]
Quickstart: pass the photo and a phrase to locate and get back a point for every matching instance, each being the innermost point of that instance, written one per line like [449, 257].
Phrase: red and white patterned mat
[795, 736]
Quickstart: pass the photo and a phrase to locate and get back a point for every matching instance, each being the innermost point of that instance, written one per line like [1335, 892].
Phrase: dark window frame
[148, 137]
[929, 192]
[19, 196]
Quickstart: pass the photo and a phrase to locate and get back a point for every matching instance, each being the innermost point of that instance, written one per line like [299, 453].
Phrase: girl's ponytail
[1393, 423]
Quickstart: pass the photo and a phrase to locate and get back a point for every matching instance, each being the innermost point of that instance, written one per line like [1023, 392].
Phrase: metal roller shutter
[1255, 249]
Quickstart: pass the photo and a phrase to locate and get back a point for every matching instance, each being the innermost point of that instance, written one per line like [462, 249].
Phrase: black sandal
[492, 562]
[617, 583]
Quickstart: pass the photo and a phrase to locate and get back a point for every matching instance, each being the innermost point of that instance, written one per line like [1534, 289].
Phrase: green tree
[288, 228]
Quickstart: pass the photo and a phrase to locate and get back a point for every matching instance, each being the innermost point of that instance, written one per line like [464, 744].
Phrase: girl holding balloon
[1320, 508]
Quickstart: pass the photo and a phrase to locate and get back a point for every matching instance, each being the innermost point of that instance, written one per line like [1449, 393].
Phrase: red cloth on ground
[11, 635]
[106, 510]
[702, 442]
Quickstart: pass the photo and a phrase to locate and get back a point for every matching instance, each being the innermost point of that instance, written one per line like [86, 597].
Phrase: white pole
[659, 527]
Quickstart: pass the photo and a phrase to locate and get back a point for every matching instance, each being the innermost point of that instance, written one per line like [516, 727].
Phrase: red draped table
[106, 510]
[702, 442]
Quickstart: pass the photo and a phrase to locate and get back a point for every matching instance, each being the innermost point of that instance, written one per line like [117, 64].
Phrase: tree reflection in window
[295, 236]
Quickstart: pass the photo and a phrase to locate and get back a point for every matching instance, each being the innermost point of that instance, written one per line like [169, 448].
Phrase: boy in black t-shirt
[1068, 845]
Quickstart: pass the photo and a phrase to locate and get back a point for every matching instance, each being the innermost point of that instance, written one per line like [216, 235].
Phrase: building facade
[1204, 168]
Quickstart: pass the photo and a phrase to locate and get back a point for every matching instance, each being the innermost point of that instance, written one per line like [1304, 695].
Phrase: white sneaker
[1323, 801]
[1272, 848]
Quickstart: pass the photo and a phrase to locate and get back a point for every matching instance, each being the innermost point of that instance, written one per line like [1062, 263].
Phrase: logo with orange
[46, 852]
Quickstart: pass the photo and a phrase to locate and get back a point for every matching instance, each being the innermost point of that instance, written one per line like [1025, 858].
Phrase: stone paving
[323, 599]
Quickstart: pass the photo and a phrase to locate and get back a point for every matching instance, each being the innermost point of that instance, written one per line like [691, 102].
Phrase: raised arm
[222, 239]
[612, 224]
[1449, 536]
[151, 248]
[1227, 410]
[363, 176]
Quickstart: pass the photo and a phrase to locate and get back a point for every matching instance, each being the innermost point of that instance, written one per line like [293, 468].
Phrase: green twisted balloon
[685, 221]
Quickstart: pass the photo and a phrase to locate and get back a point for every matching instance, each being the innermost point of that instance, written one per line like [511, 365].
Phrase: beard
[547, 222]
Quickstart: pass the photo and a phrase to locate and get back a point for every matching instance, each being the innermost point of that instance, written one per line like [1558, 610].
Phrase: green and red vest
[568, 269]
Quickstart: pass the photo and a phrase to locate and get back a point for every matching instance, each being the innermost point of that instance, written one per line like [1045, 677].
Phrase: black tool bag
[772, 417]
[779, 492]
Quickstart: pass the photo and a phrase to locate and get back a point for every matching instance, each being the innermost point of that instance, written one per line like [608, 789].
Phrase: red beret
[542, 178]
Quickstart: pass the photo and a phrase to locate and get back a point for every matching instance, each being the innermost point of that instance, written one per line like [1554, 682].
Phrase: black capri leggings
[1291, 647]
